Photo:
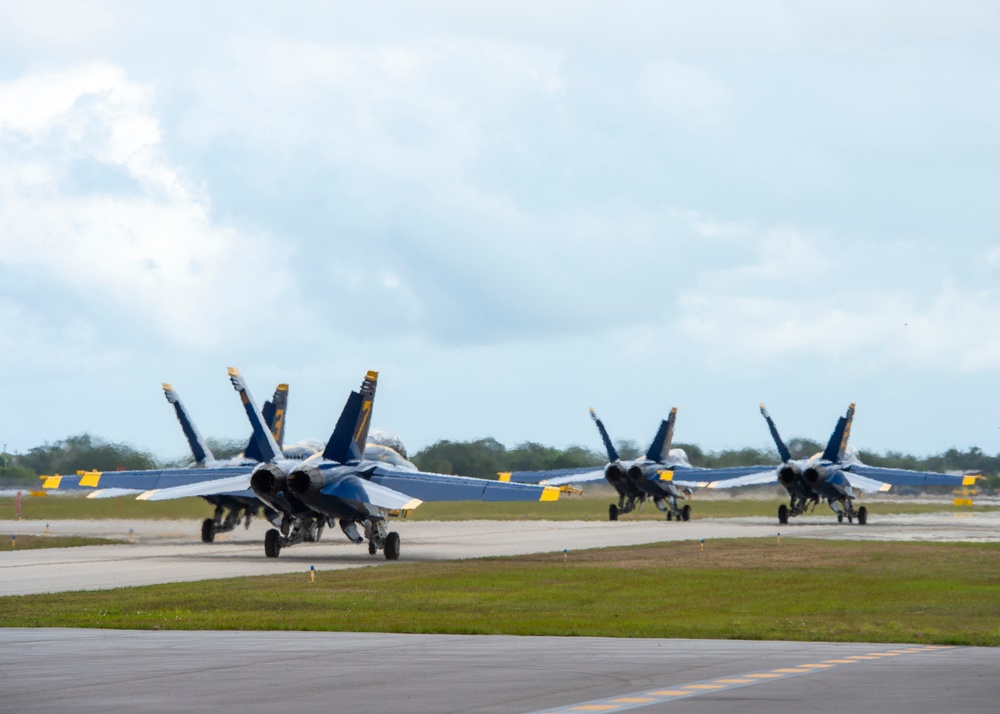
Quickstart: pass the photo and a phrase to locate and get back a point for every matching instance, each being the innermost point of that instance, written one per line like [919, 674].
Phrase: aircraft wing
[141, 481]
[752, 479]
[580, 474]
[713, 478]
[904, 477]
[428, 486]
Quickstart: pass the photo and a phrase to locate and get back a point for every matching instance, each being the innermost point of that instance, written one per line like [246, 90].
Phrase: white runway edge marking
[722, 684]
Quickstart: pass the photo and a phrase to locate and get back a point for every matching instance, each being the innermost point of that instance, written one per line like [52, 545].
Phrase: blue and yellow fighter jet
[836, 475]
[342, 484]
[229, 509]
[654, 476]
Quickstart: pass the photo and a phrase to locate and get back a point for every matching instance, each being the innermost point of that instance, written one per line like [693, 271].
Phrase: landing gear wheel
[783, 514]
[840, 518]
[686, 512]
[392, 546]
[670, 516]
[207, 530]
[863, 516]
[612, 512]
[372, 548]
[272, 543]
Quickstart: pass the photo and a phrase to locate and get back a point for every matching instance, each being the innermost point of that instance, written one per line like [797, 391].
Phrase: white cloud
[148, 248]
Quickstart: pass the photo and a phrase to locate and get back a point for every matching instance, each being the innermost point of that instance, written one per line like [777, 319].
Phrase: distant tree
[14, 474]
[629, 449]
[85, 452]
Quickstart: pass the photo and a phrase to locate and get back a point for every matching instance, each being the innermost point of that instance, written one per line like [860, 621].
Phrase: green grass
[32, 542]
[590, 507]
[735, 589]
[77, 507]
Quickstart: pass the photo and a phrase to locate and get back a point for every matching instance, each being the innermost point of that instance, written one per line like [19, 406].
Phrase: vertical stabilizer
[838, 439]
[273, 412]
[783, 451]
[663, 439]
[199, 447]
[612, 452]
[267, 447]
[349, 436]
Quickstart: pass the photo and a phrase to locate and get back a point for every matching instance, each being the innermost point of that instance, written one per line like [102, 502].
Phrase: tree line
[481, 457]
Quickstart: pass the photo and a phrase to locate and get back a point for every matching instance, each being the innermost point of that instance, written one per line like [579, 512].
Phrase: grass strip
[733, 589]
[33, 542]
[567, 508]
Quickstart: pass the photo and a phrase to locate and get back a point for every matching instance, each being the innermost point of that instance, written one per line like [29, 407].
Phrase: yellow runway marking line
[640, 700]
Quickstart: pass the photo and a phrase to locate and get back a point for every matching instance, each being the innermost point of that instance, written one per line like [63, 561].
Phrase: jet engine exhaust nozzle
[267, 479]
[811, 476]
[614, 473]
[786, 476]
[636, 474]
[303, 481]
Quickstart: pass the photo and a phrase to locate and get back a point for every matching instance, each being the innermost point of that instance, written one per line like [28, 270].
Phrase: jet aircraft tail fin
[273, 412]
[612, 452]
[347, 443]
[263, 444]
[663, 439]
[838, 439]
[199, 447]
[783, 451]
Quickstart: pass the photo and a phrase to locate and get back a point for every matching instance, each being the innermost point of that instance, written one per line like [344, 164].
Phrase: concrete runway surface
[170, 551]
[53, 670]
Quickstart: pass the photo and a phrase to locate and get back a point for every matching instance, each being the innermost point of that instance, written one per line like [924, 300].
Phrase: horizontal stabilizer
[202, 488]
[372, 493]
[867, 485]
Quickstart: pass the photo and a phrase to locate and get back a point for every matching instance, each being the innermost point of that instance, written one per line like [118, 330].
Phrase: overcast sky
[512, 210]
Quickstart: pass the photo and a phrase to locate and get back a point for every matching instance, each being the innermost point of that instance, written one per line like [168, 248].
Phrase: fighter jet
[237, 508]
[836, 475]
[342, 484]
[651, 477]
[229, 509]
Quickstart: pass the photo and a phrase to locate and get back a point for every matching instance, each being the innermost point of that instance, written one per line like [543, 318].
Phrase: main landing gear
[673, 511]
[861, 514]
[796, 507]
[301, 530]
[625, 505]
[217, 524]
[379, 538]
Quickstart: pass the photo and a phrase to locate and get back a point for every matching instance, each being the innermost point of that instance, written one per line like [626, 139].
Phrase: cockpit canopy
[384, 437]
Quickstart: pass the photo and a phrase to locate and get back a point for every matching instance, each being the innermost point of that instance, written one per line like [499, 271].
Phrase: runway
[100, 671]
[170, 551]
